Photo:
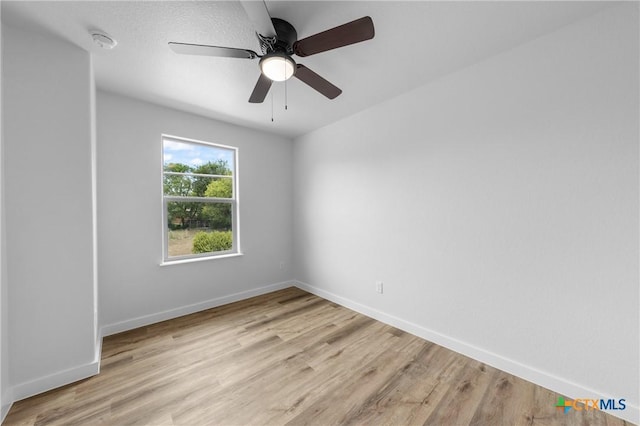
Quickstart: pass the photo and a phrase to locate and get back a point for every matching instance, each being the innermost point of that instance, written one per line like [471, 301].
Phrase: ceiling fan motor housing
[287, 35]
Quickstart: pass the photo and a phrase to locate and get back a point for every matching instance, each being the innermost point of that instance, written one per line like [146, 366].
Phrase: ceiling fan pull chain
[272, 106]
[284, 64]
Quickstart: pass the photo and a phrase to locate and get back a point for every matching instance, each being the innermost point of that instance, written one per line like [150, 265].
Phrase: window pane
[197, 157]
[198, 227]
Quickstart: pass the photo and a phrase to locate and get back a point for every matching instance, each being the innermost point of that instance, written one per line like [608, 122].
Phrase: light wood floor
[291, 357]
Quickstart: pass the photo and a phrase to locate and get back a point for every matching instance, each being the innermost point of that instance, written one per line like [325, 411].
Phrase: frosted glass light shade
[277, 66]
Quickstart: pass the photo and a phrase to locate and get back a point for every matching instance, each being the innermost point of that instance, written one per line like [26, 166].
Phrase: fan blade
[318, 83]
[344, 35]
[259, 17]
[205, 50]
[260, 91]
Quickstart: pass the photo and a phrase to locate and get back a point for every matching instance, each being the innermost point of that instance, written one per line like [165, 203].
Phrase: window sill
[198, 259]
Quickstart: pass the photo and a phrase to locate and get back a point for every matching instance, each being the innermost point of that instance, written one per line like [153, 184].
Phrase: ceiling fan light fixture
[277, 66]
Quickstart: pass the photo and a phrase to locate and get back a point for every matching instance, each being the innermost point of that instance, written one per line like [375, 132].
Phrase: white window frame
[234, 201]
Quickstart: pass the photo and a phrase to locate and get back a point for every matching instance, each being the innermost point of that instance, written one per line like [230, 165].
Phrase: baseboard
[55, 380]
[142, 321]
[552, 382]
[7, 403]
[4, 411]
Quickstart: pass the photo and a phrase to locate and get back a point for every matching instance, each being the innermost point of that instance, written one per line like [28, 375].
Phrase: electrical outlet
[281, 265]
[379, 286]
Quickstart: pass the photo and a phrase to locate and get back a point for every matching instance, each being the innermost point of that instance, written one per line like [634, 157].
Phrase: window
[200, 199]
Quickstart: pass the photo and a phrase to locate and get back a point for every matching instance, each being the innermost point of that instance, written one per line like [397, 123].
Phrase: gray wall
[47, 119]
[134, 288]
[5, 398]
[499, 206]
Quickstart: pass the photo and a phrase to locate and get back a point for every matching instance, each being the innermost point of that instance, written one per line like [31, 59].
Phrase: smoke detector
[103, 40]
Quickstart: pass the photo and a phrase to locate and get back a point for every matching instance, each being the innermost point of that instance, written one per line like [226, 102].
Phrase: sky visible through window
[195, 154]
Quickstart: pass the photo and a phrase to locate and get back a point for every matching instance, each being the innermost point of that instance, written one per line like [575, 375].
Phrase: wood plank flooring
[290, 357]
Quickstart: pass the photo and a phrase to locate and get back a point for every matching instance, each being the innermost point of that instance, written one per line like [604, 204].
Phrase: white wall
[48, 211]
[5, 398]
[499, 206]
[134, 289]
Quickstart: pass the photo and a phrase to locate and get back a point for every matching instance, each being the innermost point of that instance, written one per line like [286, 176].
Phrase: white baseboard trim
[55, 380]
[557, 384]
[5, 410]
[52, 381]
[144, 320]
[7, 403]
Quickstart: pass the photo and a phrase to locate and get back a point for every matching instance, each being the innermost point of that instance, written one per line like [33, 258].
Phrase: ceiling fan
[278, 41]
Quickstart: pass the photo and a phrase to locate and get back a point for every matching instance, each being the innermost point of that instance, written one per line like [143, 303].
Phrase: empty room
[320, 212]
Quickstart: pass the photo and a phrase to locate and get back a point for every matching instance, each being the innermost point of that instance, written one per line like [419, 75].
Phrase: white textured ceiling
[415, 43]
